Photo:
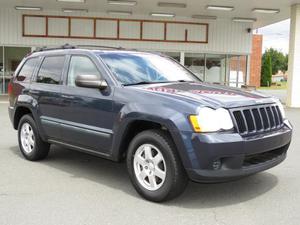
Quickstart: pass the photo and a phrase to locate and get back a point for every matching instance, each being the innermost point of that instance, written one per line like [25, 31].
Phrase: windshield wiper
[183, 81]
[146, 82]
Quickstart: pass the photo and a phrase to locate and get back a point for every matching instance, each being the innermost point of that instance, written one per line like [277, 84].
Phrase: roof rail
[99, 46]
[45, 48]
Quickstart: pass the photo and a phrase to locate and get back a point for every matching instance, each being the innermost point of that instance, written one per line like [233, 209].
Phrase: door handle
[68, 96]
[34, 91]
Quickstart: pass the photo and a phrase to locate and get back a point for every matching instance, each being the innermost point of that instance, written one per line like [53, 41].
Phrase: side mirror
[90, 81]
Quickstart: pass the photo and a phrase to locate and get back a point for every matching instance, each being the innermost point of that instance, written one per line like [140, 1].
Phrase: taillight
[10, 88]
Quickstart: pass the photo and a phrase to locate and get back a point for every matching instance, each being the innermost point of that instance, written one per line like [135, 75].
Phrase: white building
[211, 39]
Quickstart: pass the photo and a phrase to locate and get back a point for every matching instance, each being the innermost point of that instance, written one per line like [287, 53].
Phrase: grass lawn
[278, 86]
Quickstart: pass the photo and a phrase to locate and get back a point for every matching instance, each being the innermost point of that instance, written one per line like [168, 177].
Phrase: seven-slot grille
[251, 120]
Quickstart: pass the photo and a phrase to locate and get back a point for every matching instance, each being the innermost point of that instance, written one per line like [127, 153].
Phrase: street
[73, 188]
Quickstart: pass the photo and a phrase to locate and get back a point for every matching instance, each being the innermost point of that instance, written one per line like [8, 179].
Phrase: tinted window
[132, 68]
[51, 70]
[27, 69]
[81, 65]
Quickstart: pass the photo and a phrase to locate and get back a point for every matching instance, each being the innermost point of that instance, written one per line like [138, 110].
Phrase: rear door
[87, 118]
[46, 89]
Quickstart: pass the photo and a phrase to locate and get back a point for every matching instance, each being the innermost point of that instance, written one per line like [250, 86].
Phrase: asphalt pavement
[280, 94]
[77, 189]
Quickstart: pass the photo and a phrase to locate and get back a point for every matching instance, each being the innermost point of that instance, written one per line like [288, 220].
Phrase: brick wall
[255, 60]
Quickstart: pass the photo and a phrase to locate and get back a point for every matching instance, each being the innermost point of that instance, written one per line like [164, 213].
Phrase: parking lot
[74, 188]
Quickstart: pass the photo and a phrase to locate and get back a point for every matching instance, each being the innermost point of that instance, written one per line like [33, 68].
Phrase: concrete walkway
[3, 98]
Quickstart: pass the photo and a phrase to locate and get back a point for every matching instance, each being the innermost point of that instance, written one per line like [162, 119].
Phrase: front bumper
[224, 156]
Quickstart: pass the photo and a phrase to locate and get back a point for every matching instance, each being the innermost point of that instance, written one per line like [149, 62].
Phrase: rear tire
[154, 167]
[31, 145]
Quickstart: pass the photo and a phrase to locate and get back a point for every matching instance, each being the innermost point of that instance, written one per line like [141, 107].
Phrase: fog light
[217, 164]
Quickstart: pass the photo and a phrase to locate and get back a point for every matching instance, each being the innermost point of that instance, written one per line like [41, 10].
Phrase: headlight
[210, 120]
[281, 108]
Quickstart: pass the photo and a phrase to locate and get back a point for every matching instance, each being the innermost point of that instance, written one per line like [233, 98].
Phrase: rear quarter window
[27, 70]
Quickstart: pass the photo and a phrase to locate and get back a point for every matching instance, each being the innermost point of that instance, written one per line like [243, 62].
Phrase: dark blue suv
[148, 109]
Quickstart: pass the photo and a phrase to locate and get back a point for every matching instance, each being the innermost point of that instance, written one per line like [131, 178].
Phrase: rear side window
[51, 70]
[27, 70]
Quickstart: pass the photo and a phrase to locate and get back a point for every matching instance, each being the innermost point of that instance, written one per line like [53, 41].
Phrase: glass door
[237, 71]
[215, 69]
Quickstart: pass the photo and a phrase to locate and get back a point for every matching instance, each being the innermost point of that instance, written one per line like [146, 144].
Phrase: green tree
[272, 61]
[266, 71]
[279, 60]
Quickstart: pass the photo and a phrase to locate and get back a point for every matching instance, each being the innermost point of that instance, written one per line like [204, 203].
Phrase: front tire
[154, 167]
[31, 145]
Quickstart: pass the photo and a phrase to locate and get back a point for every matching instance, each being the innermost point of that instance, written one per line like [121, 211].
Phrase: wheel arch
[19, 113]
[136, 126]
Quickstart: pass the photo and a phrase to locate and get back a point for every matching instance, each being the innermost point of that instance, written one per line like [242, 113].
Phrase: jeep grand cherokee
[148, 109]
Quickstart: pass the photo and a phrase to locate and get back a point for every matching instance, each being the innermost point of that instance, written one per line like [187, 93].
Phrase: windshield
[142, 68]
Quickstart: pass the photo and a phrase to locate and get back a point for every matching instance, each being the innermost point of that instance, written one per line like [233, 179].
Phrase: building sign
[113, 29]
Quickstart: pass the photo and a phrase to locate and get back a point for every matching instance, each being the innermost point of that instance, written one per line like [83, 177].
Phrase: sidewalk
[3, 98]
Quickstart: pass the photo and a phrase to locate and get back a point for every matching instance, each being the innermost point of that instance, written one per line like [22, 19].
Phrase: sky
[276, 36]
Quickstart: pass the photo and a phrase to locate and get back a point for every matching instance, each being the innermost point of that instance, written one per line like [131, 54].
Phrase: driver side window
[80, 65]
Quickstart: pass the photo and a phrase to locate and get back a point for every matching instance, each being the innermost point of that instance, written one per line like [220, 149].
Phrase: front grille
[252, 120]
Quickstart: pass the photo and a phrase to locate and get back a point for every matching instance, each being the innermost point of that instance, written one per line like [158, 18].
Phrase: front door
[87, 112]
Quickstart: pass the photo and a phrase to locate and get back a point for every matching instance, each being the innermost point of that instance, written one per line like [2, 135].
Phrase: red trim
[95, 28]
[141, 30]
[46, 30]
[165, 31]
[69, 27]
[94, 36]
[118, 29]
[23, 25]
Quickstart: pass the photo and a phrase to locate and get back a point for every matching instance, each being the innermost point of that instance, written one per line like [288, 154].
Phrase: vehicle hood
[212, 94]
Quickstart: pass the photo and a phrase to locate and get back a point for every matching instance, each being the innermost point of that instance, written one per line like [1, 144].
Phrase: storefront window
[9, 62]
[174, 55]
[196, 63]
[215, 69]
[218, 68]
[237, 71]
[243, 70]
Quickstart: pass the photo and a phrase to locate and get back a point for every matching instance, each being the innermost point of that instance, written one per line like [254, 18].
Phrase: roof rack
[68, 46]
[99, 46]
[45, 48]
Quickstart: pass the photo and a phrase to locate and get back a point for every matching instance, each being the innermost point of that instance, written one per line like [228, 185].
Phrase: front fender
[172, 120]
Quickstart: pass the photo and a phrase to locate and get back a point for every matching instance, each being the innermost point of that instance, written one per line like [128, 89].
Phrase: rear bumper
[11, 112]
[221, 156]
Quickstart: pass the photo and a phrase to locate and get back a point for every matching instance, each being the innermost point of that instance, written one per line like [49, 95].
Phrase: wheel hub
[27, 138]
[149, 167]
